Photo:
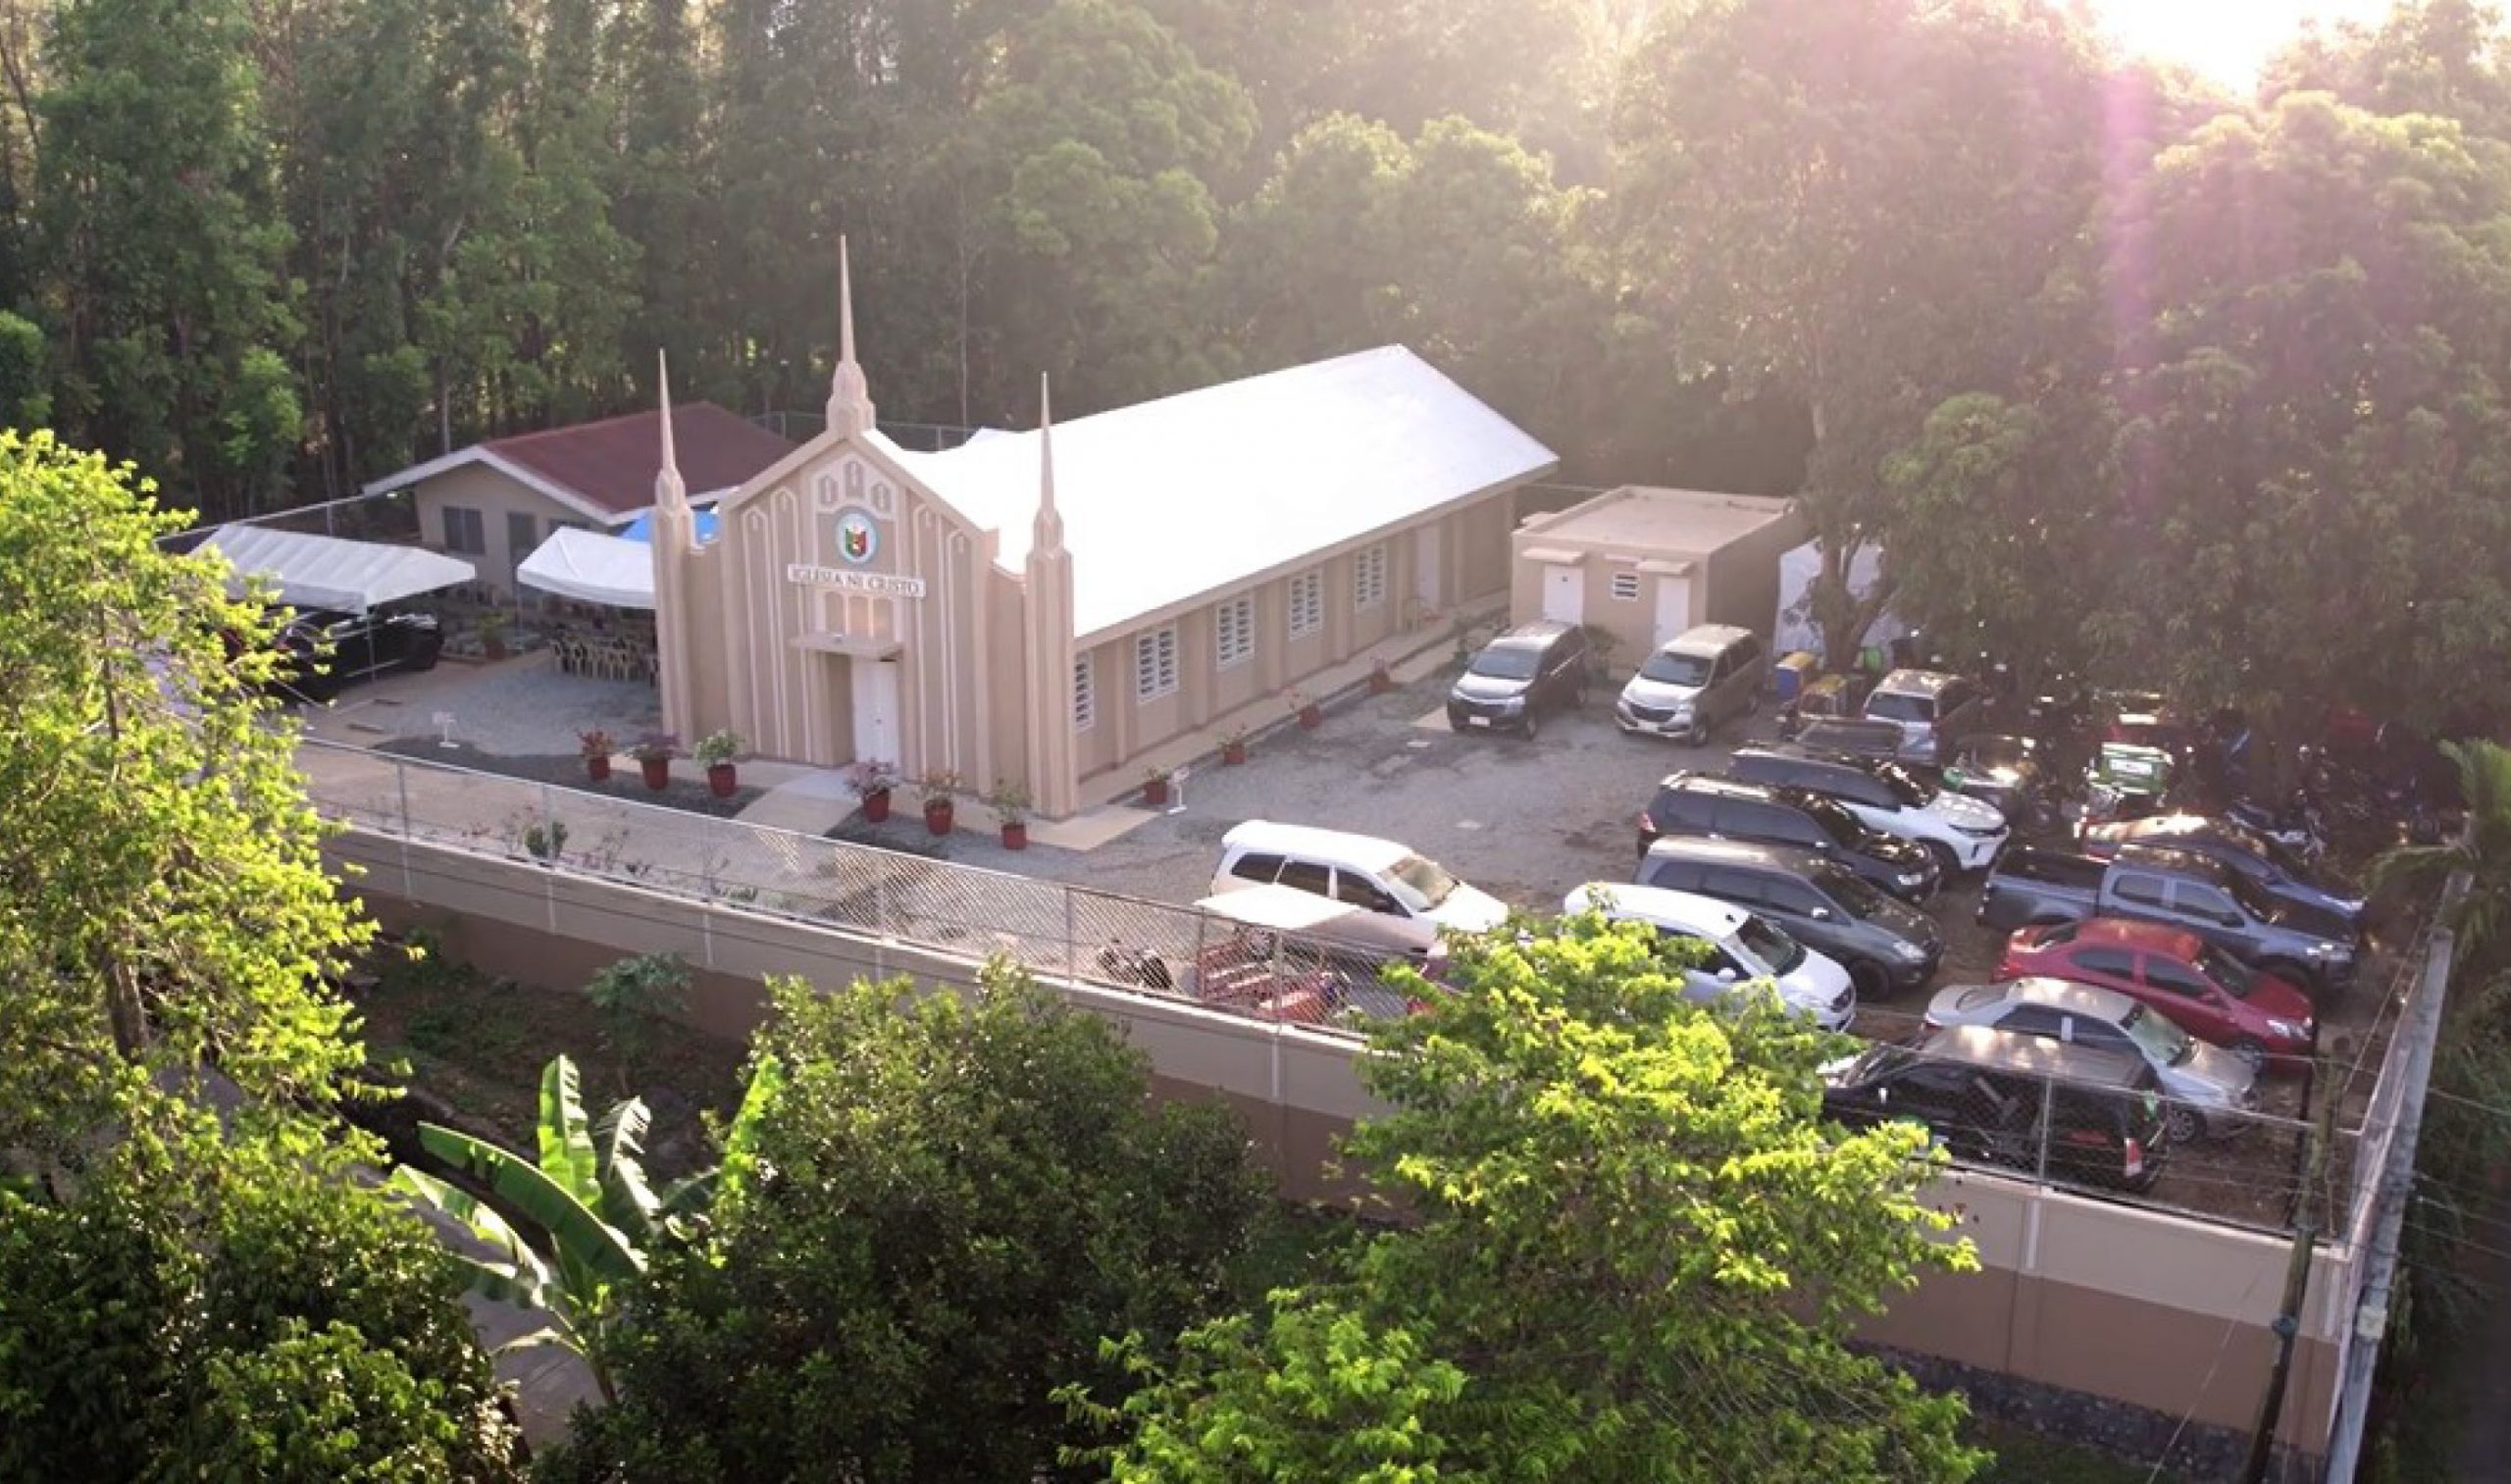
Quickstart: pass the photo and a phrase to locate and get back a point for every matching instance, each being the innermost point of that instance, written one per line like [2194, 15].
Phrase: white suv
[1742, 947]
[1414, 897]
[1962, 832]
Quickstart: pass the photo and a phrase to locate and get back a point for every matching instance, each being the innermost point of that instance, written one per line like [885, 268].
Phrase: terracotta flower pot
[937, 816]
[876, 806]
[492, 649]
[658, 772]
[1380, 683]
[598, 769]
[1156, 792]
[721, 780]
[1015, 836]
[1311, 716]
[1233, 752]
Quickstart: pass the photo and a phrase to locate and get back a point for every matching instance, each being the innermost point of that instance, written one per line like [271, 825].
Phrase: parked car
[2211, 1091]
[1887, 945]
[1287, 955]
[2008, 773]
[325, 648]
[1530, 670]
[2269, 866]
[1694, 682]
[1728, 808]
[1415, 899]
[2206, 991]
[1962, 834]
[1930, 707]
[2031, 887]
[1983, 1093]
[1741, 947]
[1852, 735]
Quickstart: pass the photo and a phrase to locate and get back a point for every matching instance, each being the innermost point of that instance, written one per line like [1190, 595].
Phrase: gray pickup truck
[2031, 887]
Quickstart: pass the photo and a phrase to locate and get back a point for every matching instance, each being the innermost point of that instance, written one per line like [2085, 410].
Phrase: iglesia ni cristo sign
[870, 583]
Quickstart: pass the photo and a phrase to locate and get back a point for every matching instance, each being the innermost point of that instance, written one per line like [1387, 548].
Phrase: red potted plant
[1381, 679]
[654, 751]
[940, 792]
[1011, 804]
[1154, 787]
[1233, 746]
[872, 781]
[716, 751]
[1310, 715]
[596, 748]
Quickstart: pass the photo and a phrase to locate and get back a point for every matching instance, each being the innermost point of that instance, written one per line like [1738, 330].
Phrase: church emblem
[857, 539]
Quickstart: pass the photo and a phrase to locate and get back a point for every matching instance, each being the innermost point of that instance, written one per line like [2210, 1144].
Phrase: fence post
[1071, 950]
[2048, 1119]
[549, 821]
[401, 776]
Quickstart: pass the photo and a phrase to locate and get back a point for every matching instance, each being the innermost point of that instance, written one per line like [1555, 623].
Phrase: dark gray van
[1885, 946]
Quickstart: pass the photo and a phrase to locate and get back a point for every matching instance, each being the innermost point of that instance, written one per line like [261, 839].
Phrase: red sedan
[2209, 993]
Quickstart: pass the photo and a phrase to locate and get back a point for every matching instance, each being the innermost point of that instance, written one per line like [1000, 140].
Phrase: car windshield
[1771, 945]
[1848, 888]
[1893, 707]
[1668, 668]
[2163, 1043]
[1421, 884]
[1905, 784]
[1995, 753]
[1836, 821]
[1505, 663]
[2252, 899]
[2233, 975]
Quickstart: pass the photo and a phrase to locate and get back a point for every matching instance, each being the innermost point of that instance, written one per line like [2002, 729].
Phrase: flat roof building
[1643, 564]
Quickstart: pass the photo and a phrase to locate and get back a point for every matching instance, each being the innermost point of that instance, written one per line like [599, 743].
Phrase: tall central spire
[850, 398]
[670, 491]
[1047, 534]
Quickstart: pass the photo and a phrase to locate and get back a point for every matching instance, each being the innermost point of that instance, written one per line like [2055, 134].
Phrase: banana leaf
[626, 1201]
[566, 1148]
[576, 1233]
[522, 1279]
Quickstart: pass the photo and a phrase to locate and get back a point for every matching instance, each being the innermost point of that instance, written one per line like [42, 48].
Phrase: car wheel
[1698, 736]
[2184, 1126]
[2249, 1050]
[1534, 724]
[424, 658]
[1869, 979]
[1947, 866]
[1752, 704]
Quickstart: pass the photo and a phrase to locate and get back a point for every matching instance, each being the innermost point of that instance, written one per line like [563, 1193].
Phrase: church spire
[849, 399]
[1047, 533]
[670, 492]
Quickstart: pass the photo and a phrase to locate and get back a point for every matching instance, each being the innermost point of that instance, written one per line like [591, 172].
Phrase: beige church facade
[1043, 608]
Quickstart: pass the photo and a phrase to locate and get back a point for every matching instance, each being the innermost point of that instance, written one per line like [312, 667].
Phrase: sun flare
[2228, 40]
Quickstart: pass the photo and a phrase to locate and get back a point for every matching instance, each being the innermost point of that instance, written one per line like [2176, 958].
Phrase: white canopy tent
[591, 568]
[328, 572]
[1797, 570]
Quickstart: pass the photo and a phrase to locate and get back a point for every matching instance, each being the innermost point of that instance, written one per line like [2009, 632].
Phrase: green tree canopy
[1634, 1252]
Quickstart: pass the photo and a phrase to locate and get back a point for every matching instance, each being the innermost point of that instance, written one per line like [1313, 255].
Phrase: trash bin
[1788, 678]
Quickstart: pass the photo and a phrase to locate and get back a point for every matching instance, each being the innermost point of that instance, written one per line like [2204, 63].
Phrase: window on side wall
[1368, 577]
[1155, 664]
[1626, 586]
[1085, 695]
[1307, 603]
[1234, 630]
[464, 532]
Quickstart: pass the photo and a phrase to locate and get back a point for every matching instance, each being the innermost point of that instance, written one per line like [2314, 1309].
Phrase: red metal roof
[611, 464]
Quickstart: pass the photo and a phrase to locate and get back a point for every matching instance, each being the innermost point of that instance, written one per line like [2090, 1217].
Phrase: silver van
[1694, 682]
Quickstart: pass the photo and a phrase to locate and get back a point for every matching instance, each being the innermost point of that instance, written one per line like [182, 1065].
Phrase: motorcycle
[2296, 825]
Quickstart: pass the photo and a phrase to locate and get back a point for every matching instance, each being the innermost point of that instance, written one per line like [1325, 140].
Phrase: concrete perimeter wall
[2136, 1306]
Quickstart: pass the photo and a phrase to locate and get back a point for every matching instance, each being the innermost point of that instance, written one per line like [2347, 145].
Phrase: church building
[1042, 607]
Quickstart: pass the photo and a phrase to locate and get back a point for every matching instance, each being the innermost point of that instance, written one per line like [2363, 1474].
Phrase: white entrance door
[1673, 606]
[1428, 544]
[1565, 594]
[876, 710]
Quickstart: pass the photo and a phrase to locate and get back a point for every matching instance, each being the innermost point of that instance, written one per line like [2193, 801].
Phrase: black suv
[1531, 669]
[1880, 740]
[1982, 1090]
[326, 649]
[1728, 808]
[1887, 945]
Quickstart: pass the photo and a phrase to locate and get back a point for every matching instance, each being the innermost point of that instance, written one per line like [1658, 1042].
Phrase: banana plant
[590, 1213]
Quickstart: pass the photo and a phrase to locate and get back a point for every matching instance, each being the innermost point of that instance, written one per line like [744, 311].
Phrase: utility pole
[2297, 1277]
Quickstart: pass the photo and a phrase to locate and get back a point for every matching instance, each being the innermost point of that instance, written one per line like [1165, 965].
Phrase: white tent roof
[1197, 493]
[591, 568]
[327, 572]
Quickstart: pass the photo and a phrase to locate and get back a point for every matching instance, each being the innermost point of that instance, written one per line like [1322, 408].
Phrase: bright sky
[2224, 39]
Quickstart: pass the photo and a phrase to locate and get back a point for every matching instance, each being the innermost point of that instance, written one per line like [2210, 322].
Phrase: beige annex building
[1042, 607]
[1644, 564]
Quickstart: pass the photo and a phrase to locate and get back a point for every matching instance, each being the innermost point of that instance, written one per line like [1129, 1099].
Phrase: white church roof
[1193, 494]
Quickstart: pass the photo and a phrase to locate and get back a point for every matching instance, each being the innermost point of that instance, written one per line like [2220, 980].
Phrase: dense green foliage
[1635, 1252]
[200, 1308]
[952, 1201]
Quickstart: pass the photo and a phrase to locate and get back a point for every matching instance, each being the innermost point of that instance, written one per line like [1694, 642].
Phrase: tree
[1635, 1251]
[163, 903]
[2439, 57]
[1847, 202]
[203, 1308]
[954, 1201]
[2314, 445]
[632, 994]
[587, 1202]
[2483, 851]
